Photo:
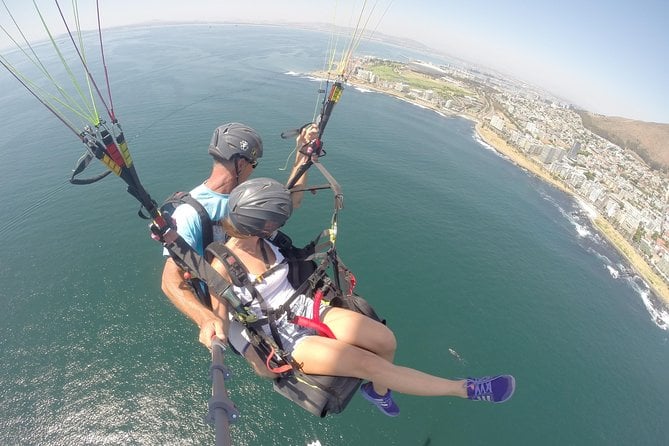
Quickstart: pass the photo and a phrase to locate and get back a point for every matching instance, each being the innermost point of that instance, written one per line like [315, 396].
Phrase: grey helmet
[233, 139]
[258, 207]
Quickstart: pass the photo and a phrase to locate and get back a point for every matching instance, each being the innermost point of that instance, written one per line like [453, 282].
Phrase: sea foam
[581, 218]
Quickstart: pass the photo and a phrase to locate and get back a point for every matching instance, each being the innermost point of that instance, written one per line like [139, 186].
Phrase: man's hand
[209, 329]
[307, 135]
[302, 157]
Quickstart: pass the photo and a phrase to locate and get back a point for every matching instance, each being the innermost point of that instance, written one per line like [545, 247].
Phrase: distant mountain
[649, 140]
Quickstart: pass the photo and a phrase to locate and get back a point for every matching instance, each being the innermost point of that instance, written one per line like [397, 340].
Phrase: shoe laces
[482, 388]
[386, 400]
[381, 400]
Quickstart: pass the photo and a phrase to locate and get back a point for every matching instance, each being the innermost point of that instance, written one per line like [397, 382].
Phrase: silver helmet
[258, 207]
[233, 139]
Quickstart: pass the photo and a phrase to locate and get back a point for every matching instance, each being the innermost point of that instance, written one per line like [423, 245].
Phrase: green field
[397, 72]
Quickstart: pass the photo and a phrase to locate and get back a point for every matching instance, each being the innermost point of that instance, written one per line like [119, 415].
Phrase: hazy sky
[608, 56]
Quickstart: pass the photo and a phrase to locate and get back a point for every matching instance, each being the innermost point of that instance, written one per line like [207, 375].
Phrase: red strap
[315, 321]
[316, 310]
[319, 326]
[352, 282]
[281, 369]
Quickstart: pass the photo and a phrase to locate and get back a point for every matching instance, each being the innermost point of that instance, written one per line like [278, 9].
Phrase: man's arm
[308, 134]
[180, 294]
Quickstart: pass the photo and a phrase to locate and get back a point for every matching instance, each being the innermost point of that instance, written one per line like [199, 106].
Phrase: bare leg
[362, 331]
[324, 356]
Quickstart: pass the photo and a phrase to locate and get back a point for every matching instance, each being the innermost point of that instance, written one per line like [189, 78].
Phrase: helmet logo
[243, 145]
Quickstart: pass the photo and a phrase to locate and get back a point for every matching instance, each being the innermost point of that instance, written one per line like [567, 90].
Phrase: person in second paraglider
[362, 347]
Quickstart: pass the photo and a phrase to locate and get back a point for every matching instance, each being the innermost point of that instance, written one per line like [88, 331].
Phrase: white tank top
[275, 289]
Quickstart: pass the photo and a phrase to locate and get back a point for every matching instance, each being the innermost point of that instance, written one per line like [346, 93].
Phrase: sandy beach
[493, 140]
[634, 258]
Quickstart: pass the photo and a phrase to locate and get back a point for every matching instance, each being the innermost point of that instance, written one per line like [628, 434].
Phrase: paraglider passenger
[362, 347]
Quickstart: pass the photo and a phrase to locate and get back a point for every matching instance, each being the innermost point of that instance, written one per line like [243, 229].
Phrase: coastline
[635, 260]
[489, 137]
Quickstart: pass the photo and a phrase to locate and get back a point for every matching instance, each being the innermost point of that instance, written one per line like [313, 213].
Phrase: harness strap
[205, 220]
[232, 264]
[315, 322]
[180, 249]
[239, 276]
[199, 287]
[82, 163]
[318, 275]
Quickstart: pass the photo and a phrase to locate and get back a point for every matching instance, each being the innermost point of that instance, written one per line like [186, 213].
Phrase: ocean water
[478, 267]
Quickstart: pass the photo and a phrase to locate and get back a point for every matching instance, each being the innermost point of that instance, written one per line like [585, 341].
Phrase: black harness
[239, 276]
[303, 275]
[168, 207]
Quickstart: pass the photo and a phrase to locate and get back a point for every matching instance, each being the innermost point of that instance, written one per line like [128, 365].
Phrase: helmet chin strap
[237, 171]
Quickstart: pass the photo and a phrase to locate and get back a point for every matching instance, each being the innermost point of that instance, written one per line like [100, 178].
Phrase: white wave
[363, 90]
[315, 443]
[305, 76]
[657, 312]
[581, 230]
[602, 257]
[548, 197]
[572, 217]
[624, 270]
[315, 78]
[660, 316]
[310, 77]
[614, 272]
[487, 146]
[589, 209]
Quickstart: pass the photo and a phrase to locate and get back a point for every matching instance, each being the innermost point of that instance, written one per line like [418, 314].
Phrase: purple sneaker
[495, 389]
[384, 403]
